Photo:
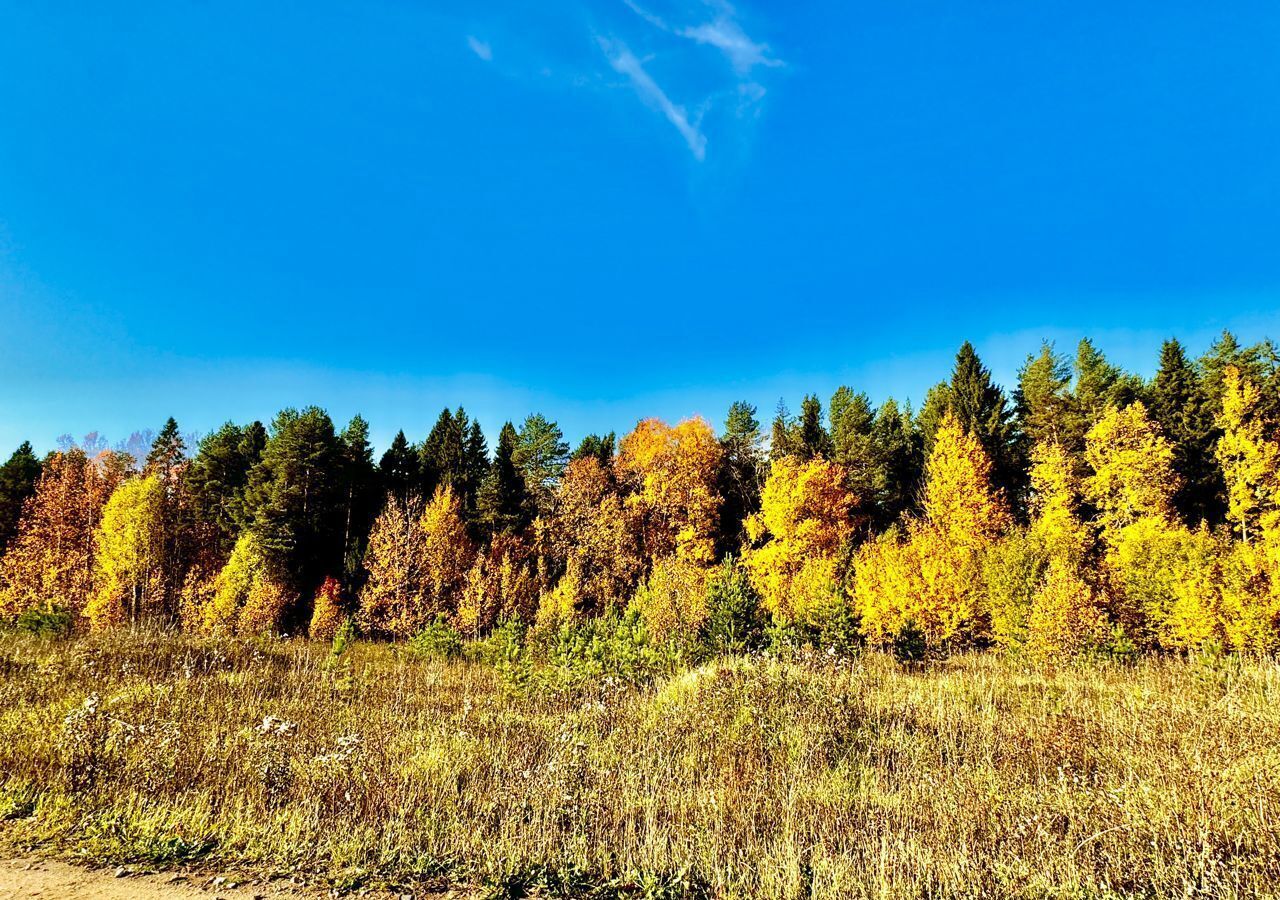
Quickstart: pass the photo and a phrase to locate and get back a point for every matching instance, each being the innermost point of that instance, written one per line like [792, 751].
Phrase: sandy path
[24, 878]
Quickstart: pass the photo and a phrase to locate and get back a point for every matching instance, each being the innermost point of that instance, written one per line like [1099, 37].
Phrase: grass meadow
[808, 776]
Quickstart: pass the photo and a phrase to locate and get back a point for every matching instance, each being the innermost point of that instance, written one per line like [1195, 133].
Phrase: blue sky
[604, 210]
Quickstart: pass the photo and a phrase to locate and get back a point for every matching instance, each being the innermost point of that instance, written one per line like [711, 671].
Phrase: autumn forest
[1088, 510]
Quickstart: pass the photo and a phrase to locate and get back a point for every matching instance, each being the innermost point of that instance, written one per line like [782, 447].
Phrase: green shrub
[47, 621]
[735, 622]
[439, 640]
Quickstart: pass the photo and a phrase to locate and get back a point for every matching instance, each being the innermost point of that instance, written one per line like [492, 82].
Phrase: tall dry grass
[741, 778]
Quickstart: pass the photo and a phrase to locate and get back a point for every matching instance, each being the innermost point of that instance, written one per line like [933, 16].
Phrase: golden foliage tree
[1132, 469]
[394, 598]
[672, 600]
[669, 478]
[248, 596]
[500, 586]
[327, 612]
[932, 579]
[1250, 463]
[805, 519]
[589, 538]
[130, 565]
[417, 564]
[50, 563]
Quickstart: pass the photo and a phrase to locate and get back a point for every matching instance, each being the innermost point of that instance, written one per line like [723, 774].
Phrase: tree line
[1091, 509]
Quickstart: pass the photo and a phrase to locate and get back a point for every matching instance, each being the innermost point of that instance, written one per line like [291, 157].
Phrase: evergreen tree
[400, 469]
[168, 453]
[1179, 404]
[218, 477]
[18, 477]
[899, 464]
[541, 454]
[443, 454]
[782, 437]
[475, 467]
[360, 501]
[297, 500]
[741, 474]
[503, 505]
[813, 439]
[981, 408]
[852, 444]
[1098, 385]
[601, 448]
[1042, 401]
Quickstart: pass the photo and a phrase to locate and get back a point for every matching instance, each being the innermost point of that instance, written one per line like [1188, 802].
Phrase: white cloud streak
[480, 48]
[625, 63]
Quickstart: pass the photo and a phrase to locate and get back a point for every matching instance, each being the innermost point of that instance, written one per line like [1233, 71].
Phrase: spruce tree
[504, 504]
[741, 473]
[852, 420]
[899, 464]
[218, 478]
[1179, 404]
[813, 439]
[1042, 401]
[980, 406]
[297, 500]
[400, 469]
[18, 477]
[168, 452]
[442, 454]
[600, 448]
[360, 500]
[782, 437]
[475, 468]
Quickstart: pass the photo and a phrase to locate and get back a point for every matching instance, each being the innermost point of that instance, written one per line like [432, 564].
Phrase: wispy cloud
[480, 48]
[625, 63]
[723, 32]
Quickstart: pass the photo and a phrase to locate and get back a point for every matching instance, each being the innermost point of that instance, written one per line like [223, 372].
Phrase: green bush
[47, 621]
[439, 640]
[735, 622]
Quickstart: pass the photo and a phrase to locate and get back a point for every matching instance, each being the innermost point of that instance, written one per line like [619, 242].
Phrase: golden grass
[741, 778]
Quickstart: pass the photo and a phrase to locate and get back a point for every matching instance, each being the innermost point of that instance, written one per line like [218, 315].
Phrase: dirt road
[25, 878]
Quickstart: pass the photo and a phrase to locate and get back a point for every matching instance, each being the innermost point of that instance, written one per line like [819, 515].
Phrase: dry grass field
[743, 777]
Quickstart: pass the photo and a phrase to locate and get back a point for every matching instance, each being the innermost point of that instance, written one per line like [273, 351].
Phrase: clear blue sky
[603, 210]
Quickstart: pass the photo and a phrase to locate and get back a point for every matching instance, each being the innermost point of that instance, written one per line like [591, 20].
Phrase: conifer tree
[218, 478]
[602, 448]
[476, 467]
[297, 500]
[360, 495]
[1179, 404]
[782, 434]
[443, 453]
[812, 439]
[742, 466]
[18, 478]
[400, 469]
[1042, 400]
[541, 454]
[168, 454]
[503, 505]
[853, 442]
[899, 464]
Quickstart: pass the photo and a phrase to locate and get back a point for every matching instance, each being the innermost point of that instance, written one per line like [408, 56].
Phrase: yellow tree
[394, 598]
[804, 521]
[589, 541]
[130, 566]
[248, 597]
[1250, 463]
[327, 613]
[672, 600]
[1132, 469]
[931, 580]
[448, 551]
[669, 478]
